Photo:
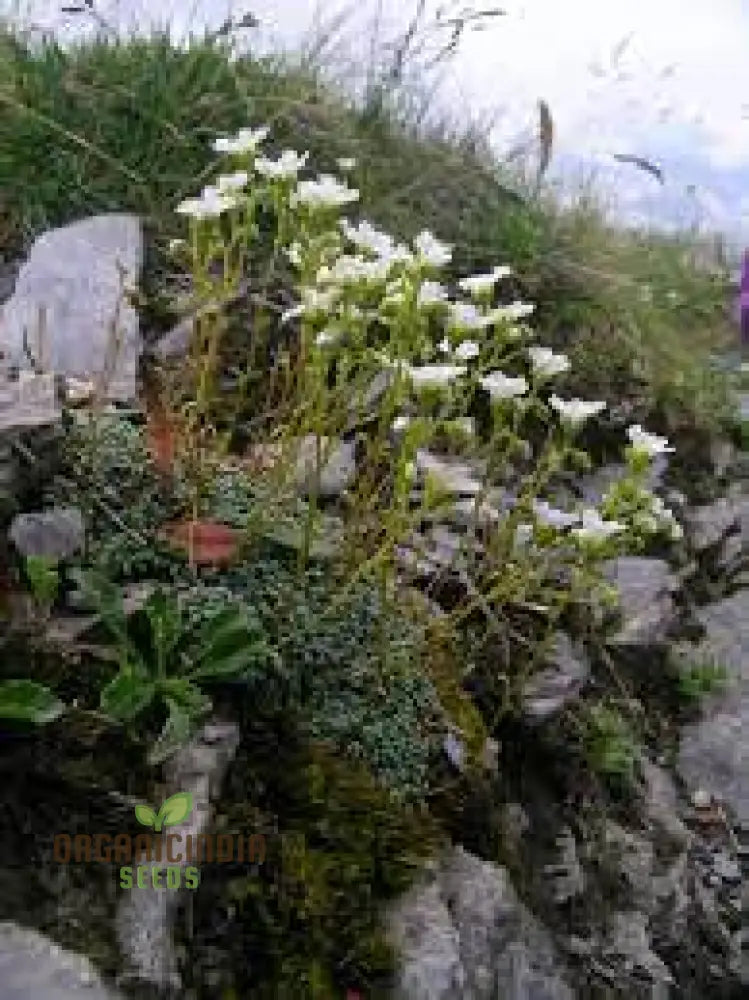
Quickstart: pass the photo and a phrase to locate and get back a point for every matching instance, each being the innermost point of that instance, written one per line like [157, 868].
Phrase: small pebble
[701, 799]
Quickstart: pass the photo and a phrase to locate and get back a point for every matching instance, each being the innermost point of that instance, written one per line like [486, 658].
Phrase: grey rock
[32, 967]
[28, 402]
[567, 877]
[633, 856]
[145, 918]
[338, 466]
[176, 342]
[70, 301]
[645, 587]
[464, 934]
[455, 477]
[709, 524]
[629, 941]
[548, 691]
[726, 868]
[714, 750]
[54, 534]
[455, 750]
[429, 944]
[660, 802]
[595, 485]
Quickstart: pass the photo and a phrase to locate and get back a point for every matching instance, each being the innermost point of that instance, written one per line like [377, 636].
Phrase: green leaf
[44, 578]
[178, 729]
[165, 621]
[145, 815]
[106, 599]
[176, 809]
[27, 701]
[233, 664]
[127, 695]
[225, 635]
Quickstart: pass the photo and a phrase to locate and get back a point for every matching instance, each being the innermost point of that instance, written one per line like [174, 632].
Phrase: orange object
[161, 438]
[207, 543]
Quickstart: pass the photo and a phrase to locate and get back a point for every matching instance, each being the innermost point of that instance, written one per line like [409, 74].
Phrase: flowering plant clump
[372, 310]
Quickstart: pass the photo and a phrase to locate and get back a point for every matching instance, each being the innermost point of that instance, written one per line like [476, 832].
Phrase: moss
[307, 922]
[445, 669]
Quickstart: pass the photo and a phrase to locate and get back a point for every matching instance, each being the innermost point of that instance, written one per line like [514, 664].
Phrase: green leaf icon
[145, 815]
[176, 809]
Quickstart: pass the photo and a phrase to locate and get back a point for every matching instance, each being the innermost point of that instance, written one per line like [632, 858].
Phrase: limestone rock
[70, 303]
[714, 750]
[645, 587]
[463, 934]
[33, 966]
[548, 691]
[54, 534]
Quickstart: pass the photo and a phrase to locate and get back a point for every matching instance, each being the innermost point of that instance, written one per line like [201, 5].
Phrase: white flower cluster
[362, 272]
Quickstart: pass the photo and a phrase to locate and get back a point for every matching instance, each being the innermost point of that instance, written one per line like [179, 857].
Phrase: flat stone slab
[70, 304]
[714, 752]
[32, 967]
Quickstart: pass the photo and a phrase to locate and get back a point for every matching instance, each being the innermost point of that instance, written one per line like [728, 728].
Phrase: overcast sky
[664, 79]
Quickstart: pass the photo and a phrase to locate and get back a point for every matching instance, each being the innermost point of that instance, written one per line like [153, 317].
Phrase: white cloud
[678, 88]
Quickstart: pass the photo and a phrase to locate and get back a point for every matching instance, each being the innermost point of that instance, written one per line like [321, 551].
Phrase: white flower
[232, 182]
[444, 346]
[350, 269]
[594, 528]
[552, 517]
[546, 363]
[288, 165]
[325, 191]
[434, 375]
[401, 423]
[467, 350]
[291, 313]
[368, 237]
[346, 163]
[176, 244]
[294, 254]
[575, 411]
[466, 424]
[313, 301]
[209, 205]
[432, 293]
[78, 390]
[478, 283]
[651, 444]
[513, 312]
[465, 316]
[245, 141]
[317, 300]
[431, 250]
[325, 337]
[501, 386]
[523, 534]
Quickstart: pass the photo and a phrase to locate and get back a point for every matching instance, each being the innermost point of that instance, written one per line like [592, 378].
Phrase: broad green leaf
[164, 618]
[145, 815]
[106, 599]
[176, 809]
[233, 664]
[44, 578]
[178, 729]
[127, 695]
[27, 701]
[186, 696]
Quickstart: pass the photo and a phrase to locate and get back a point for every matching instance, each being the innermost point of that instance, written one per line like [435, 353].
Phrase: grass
[127, 126]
